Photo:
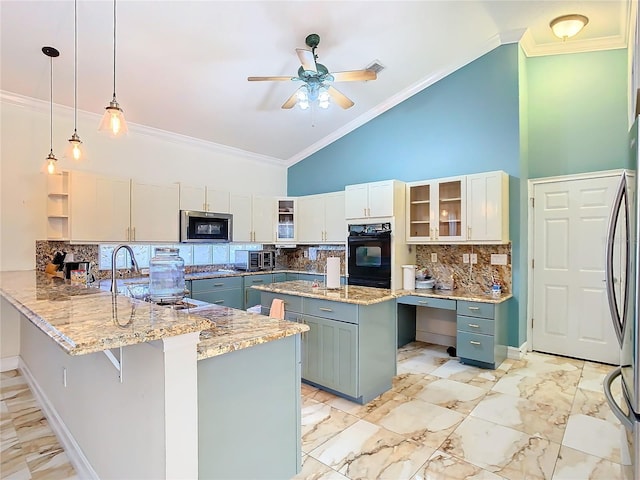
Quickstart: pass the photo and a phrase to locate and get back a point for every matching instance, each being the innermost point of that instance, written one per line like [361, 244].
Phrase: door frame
[530, 234]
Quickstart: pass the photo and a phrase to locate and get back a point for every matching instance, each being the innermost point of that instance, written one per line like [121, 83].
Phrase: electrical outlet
[474, 258]
[434, 257]
[465, 258]
[306, 254]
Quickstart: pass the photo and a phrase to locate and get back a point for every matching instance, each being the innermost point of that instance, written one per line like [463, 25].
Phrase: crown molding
[532, 49]
[41, 106]
[481, 49]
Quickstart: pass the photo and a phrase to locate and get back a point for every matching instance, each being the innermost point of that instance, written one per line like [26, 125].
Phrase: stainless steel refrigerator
[622, 282]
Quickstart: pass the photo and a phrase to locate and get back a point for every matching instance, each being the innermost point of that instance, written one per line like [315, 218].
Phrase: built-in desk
[475, 325]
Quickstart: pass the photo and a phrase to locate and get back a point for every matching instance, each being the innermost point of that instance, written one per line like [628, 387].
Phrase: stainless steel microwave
[205, 227]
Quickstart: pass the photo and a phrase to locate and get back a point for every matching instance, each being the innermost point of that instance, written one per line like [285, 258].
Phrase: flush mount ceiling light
[75, 141]
[113, 119]
[51, 158]
[567, 26]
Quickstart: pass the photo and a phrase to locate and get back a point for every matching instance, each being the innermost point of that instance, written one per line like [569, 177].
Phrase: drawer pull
[422, 302]
[218, 284]
[219, 301]
[257, 281]
[473, 342]
[325, 309]
[474, 308]
[473, 325]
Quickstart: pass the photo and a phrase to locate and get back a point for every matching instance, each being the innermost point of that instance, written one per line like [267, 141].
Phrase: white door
[240, 208]
[570, 309]
[356, 200]
[155, 212]
[335, 226]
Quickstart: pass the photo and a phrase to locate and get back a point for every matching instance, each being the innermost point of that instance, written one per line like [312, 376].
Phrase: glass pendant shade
[75, 147]
[113, 120]
[51, 163]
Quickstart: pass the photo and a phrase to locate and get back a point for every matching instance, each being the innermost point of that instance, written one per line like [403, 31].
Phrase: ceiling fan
[316, 78]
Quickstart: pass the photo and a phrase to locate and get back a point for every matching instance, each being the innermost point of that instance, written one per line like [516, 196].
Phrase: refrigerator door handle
[618, 202]
[625, 419]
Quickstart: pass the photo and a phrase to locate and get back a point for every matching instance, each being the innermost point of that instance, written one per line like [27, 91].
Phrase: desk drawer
[476, 325]
[345, 312]
[291, 302]
[261, 279]
[476, 309]
[475, 346]
[211, 284]
[418, 301]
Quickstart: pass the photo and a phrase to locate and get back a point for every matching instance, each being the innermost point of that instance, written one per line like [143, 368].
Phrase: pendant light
[75, 141]
[51, 158]
[113, 119]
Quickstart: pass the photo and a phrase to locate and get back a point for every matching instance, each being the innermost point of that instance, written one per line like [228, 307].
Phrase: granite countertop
[368, 295]
[85, 320]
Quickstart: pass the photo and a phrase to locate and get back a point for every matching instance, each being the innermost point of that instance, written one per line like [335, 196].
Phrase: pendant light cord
[51, 105]
[114, 50]
[75, 66]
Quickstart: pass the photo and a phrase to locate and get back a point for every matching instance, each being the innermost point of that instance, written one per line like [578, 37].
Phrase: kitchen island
[135, 390]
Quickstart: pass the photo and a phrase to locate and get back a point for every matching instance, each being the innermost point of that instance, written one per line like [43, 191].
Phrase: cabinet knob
[473, 342]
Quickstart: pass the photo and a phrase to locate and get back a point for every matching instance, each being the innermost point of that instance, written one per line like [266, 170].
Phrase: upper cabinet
[155, 212]
[376, 199]
[488, 207]
[203, 199]
[253, 218]
[471, 208]
[286, 215]
[321, 218]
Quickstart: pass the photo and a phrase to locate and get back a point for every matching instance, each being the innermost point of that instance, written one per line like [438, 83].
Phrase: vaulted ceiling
[182, 66]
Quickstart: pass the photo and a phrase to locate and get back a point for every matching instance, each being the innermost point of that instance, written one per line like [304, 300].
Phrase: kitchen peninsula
[213, 393]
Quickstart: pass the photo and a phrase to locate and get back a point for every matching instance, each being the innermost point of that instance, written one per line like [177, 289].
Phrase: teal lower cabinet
[482, 333]
[279, 277]
[350, 349]
[249, 418]
[251, 295]
[225, 291]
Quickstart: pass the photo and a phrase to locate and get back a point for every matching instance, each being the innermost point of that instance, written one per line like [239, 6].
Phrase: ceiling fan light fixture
[567, 26]
[323, 97]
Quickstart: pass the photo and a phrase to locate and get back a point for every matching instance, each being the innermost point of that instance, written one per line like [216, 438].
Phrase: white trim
[576, 176]
[400, 97]
[516, 353]
[533, 49]
[9, 363]
[41, 106]
[71, 448]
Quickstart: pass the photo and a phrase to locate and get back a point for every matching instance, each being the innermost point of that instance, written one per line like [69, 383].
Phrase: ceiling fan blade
[340, 98]
[268, 79]
[306, 59]
[291, 101]
[354, 76]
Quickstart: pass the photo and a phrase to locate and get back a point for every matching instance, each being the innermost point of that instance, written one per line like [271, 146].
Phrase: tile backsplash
[476, 278]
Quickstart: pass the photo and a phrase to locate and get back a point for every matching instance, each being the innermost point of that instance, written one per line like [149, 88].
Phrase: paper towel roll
[333, 272]
[409, 277]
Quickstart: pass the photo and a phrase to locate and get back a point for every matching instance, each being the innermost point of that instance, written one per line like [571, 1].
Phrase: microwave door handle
[613, 222]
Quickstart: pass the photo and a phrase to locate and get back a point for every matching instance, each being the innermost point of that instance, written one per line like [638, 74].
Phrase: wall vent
[375, 66]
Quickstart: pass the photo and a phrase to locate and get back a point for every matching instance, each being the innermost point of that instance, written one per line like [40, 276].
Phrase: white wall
[145, 154]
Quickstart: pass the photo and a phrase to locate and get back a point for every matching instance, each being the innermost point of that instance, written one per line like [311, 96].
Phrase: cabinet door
[420, 227]
[335, 226]
[155, 212]
[286, 219]
[225, 298]
[356, 201]
[263, 209]
[487, 207]
[448, 201]
[240, 208]
[192, 198]
[381, 199]
[99, 208]
[217, 201]
[311, 218]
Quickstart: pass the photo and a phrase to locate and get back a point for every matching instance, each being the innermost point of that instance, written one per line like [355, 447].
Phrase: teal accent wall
[465, 123]
[578, 119]
[531, 117]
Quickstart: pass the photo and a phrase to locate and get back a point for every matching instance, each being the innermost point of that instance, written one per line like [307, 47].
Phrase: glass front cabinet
[286, 223]
[437, 210]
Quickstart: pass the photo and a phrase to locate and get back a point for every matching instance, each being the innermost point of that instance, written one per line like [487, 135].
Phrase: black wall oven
[369, 255]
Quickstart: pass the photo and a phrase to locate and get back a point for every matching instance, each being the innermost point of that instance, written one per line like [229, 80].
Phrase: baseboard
[74, 453]
[516, 353]
[9, 363]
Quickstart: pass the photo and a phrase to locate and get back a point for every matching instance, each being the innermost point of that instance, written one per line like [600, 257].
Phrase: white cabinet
[155, 212]
[321, 218]
[100, 208]
[376, 199]
[204, 199]
[58, 206]
[286, 219]
[488, 207]
[436, 210]
[253, 218]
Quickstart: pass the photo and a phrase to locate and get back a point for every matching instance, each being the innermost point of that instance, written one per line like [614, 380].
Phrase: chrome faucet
[114, 283]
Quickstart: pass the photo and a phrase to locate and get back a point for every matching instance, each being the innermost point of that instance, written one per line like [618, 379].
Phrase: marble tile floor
[542, 417]
[28, 447]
